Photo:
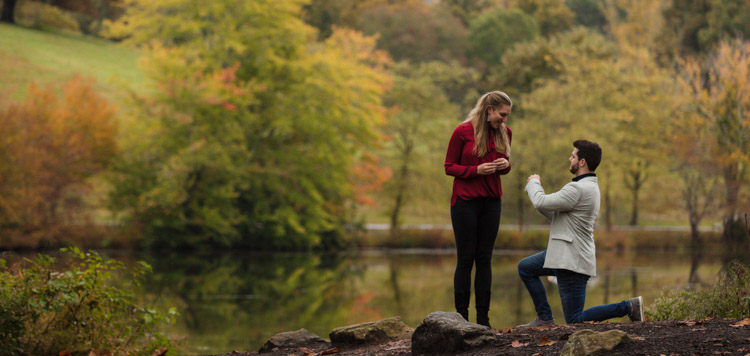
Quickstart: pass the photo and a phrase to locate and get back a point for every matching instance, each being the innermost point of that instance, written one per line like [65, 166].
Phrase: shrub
[729, 298]
[44, 311]
[40, 15]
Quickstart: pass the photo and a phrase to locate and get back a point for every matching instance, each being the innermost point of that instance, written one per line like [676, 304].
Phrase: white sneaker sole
[640, 301]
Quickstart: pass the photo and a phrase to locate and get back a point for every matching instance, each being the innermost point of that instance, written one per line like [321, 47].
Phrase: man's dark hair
[590, 151]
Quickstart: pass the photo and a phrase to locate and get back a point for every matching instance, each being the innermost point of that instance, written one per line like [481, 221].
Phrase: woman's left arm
[510, 140]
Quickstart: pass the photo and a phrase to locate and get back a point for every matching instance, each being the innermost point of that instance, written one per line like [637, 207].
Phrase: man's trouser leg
[530, 269]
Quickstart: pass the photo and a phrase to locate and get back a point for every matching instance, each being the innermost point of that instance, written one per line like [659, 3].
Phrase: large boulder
[444, 332]
[374, 331]
[589, 342]
[293, 339]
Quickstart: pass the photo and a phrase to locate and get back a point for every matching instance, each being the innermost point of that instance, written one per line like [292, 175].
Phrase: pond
[235, 301]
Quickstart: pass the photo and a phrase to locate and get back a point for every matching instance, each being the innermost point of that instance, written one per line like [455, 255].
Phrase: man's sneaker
[636, 309]
[537, 322]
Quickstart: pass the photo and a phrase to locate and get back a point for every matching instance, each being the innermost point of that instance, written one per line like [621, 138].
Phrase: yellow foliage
[49, 147]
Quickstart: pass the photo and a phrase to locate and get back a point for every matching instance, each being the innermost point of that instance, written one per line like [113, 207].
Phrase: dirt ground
[669, 338]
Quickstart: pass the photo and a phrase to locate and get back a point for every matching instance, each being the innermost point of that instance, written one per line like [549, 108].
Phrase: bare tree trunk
[401, 184]
[634, 209]
[732, 184]
[634, 181]
[9, 7]
[398, 201]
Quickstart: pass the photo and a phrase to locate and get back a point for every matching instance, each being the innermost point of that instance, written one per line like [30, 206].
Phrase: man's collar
[584, 176]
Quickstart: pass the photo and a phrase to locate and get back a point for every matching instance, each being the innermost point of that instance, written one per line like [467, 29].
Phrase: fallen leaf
[159, 352]
[698, 329]
[743, 322]
[639, 338]
[589, 322]
[705, 320]
[538, 354]
[332, 351]
[65, 353]
[545, 341]
[507, 331]
[306, 351]
[687, 322]
[517, 343]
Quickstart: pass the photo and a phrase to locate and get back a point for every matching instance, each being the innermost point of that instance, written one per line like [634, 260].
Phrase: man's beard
[574, 169]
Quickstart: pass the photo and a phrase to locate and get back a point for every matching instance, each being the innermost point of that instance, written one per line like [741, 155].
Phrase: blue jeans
[572, 288]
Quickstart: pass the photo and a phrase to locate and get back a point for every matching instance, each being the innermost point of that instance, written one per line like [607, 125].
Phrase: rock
[444, 332]
[375, 331]
[589, 342]
[293, 339]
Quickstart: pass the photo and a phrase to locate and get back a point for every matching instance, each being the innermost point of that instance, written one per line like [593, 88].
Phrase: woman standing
[477, 156]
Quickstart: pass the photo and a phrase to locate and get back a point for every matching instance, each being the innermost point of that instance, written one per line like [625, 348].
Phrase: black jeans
[475, 226]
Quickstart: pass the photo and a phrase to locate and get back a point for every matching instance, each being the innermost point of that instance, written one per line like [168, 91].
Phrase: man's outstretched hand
[534, 176]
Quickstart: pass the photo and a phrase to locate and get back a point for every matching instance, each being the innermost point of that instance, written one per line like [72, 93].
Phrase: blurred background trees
[287, 124]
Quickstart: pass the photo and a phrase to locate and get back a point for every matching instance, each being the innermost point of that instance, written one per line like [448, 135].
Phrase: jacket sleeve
[564, 200]
[453, 165]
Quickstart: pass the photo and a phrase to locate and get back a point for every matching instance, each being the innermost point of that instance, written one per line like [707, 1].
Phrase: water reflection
[236, 301]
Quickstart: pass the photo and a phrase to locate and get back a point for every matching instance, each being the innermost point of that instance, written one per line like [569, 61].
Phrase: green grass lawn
[51, 58]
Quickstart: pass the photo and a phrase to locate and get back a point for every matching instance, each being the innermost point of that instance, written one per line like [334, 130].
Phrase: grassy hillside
[51, 58]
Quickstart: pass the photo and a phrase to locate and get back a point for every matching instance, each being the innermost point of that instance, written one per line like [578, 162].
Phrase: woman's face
[498, 115]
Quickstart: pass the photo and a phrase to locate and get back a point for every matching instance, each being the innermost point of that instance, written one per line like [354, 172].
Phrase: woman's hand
[487, 168]
[502, 163]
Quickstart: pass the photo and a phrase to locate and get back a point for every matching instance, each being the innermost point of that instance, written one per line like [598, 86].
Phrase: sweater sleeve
[453, 165]
[510, 140]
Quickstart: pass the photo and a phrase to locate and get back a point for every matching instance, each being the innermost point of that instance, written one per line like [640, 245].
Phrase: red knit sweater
[461, 163]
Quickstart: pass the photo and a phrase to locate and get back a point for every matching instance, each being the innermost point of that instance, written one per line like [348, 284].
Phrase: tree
[697, 26]
[719, 90]
[257, 129]
[9, 7]
[620, 105]
[496, 31]
[50, 148]
[530, 64]
[588, 13]
[416, 31]
[466, 10]
[552, 16]
[421, 111]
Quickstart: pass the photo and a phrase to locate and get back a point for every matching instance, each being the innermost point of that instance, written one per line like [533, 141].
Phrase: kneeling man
[571, 254]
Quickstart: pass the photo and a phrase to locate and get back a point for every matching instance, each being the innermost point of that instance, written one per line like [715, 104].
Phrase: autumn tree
[588, 13]
[697, 26]
[421, 115]
[257, 127]
[552, 16]
[50, 147]
[719, 88]
[617, 102]
[693, 163]
[497, 30]
[416, 31]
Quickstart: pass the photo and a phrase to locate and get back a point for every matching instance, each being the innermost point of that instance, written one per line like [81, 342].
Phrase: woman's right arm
[453, 165]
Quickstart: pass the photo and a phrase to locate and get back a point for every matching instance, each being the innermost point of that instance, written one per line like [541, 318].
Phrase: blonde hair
[478, 118]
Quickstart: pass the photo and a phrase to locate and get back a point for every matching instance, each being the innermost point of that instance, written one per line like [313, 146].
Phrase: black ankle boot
[483, 307]
[483, 317]
[462, 303]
